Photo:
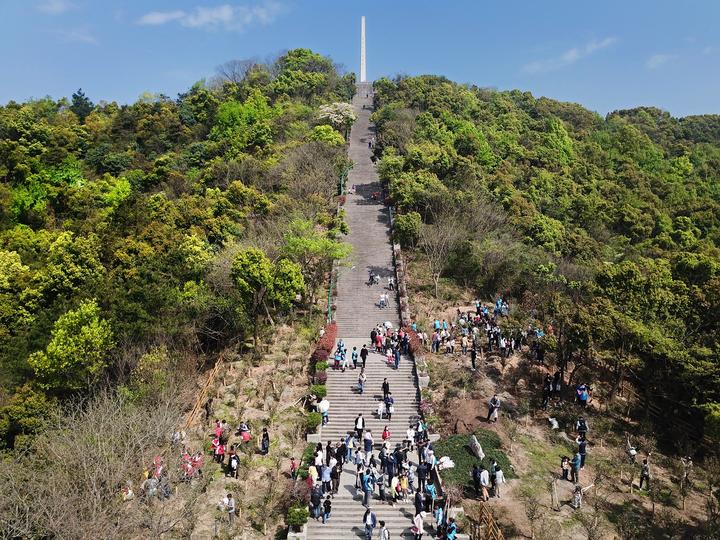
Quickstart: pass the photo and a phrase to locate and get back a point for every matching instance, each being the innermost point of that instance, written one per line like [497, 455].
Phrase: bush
[407, 228]
[320, 355]
[318, 390]
[298, 516]
[327, 342]
[306, 460]
[321, 377]
[321, 366]
[314, 419]
[414, 339]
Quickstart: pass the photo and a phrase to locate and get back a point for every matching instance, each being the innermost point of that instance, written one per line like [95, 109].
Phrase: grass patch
[457, 448]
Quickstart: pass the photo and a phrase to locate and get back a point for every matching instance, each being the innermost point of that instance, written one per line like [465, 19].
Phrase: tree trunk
[436, 280]
[619, 373]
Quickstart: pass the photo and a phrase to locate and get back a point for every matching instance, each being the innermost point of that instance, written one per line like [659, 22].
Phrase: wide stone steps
[356, 313]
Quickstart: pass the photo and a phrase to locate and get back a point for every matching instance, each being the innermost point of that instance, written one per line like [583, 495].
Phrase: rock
[476, 448]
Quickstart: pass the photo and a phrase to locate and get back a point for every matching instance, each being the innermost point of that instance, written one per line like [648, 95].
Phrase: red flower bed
[320, 355]
[327, 342]
[414, 339]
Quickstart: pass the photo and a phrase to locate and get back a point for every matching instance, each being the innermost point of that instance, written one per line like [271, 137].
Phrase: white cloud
[225, 16]
[568, 57]
[78, 35]
[658, 60]
[55, 7]
[160, 17]
[708, 50]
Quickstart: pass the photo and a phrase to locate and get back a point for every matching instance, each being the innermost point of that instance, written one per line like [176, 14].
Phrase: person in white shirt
[229, 505]
[484, 483]
[499, 479]
[384, 532]
[418, 525]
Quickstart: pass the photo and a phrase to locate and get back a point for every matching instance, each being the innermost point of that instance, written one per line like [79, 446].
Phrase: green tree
[262, 283]
[77, 353]
[314, 252]
[81, 105]
[328, 135]
[25, 414]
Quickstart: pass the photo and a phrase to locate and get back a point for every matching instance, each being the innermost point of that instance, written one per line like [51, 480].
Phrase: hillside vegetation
[137, 242]
[608, 228]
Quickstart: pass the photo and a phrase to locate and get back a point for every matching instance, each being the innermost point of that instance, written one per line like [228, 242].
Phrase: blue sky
[606, 55]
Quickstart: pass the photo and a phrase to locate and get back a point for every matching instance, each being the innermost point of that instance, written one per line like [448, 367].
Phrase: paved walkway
[357, 313]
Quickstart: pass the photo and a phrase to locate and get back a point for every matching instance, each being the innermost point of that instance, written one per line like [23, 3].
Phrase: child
[565, 466]
[293, 468]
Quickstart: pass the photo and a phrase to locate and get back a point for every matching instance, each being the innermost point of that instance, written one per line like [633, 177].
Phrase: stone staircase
[356, 313]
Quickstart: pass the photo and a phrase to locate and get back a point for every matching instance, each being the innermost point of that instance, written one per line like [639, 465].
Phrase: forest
[605, 228]
[136, 242]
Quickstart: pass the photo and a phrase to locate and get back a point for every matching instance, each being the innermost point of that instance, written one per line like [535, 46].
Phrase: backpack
[582, 425]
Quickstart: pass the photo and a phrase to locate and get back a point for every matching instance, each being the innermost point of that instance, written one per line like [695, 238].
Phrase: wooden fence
[482, 525]
[202, 396]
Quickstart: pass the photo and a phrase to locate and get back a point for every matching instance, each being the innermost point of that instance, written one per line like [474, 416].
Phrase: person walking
[370, 522]
[575, 470]
[473, 358]
[354, 357]
[493, 408]
[316, 501]
[475, 473]
[499, 480]
[645, 473]
[361, 380]
[484, 482]
[389, 406]
[582, 449]
[364, 355]
[229, 503]
[368, 486]
[581, 426]
[418, 528]
[265, 442]
[368, 442]
[384, 532]
[327, 508]
[422, 474]
[359, 426]
[419, 501]
[385, 388]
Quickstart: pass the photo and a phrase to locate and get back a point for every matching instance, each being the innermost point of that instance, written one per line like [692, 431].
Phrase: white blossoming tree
[339, 115]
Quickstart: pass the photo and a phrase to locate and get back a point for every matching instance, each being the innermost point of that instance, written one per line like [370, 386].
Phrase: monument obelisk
[363, 73]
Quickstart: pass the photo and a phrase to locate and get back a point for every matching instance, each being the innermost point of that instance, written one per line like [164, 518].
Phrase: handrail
[202, 396]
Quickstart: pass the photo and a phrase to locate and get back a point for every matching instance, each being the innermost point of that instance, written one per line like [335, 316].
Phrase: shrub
[298, 516]
[414, 339]
[306, 460]
[327, 342]
[313, 420]
[320, 355]
[318, 390]
[321, 377]
[321, 366]
[407, 228]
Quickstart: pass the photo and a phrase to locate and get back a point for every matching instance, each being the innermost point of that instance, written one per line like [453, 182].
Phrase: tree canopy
[610, 225]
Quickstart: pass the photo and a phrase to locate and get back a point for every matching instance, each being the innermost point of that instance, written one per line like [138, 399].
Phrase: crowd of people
[389, 470]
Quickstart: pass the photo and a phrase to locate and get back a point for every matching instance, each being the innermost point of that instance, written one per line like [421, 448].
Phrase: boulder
[476, 448]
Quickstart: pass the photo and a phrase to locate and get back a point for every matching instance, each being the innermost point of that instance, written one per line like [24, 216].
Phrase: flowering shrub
[426, 407]
[327, 342]
[321, 377]
[319, 356]
[414, 339]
